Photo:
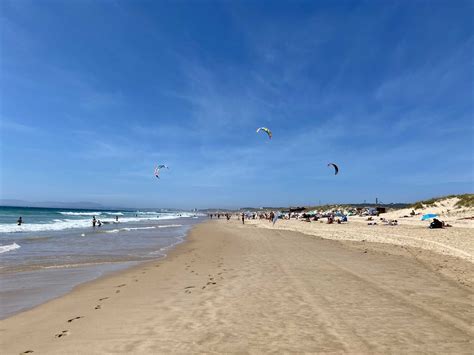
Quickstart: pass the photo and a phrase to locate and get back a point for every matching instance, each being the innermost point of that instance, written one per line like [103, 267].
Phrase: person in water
[93, 221]
[99, 223]
[116, 218]
[20, 221]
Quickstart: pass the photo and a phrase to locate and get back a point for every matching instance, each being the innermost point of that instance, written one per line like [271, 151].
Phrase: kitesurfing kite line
[266, 130]
[336, 169]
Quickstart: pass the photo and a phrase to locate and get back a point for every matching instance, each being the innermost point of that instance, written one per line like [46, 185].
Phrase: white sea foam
[174, 216]
[98, 213]
[161, 251]
[64, 213]
[169, 215]
[10, 247]
[170, 226]
[128, 229]
[113, 231]
[62, 224]
[137, 228]
[41, 227]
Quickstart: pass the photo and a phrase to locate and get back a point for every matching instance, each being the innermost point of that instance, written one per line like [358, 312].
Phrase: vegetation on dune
[417, 206]
[465, 200]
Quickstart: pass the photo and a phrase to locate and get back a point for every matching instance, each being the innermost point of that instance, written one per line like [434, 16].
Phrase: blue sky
[95, 93]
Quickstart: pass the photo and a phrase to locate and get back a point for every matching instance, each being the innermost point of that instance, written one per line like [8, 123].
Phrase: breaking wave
[10, 247]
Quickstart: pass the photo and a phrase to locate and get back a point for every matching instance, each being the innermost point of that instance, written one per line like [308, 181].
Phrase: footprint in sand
[118, 291]
[27, 352]
[73, 319]
[103, 298]
[189, 287]
[62, 334]
[98, 306]
[122, 285]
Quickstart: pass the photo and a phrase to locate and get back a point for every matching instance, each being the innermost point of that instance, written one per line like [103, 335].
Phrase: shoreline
[233, 288]
[62, 290]
[41, 285]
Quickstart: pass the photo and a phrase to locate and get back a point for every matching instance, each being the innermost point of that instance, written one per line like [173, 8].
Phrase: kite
[158, 168]
[265, 129]
[335, 168]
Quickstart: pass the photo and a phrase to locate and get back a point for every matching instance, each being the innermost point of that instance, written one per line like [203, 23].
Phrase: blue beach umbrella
[428, 216]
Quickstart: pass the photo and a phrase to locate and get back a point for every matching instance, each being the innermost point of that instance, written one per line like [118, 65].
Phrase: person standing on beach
[243, 218]
[20, 221]
[93, 221]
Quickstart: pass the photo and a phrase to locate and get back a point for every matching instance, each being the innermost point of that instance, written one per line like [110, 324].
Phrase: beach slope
[234, 288]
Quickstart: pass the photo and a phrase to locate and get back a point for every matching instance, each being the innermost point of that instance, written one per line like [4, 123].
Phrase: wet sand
[234, 288]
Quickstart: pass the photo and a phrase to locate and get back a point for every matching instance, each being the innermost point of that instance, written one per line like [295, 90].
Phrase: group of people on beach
[244, 216]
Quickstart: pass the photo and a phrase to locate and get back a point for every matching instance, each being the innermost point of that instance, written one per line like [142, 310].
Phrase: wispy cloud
[14, 126]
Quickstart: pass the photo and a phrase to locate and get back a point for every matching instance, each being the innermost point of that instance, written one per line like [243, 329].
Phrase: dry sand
[452, 241]
[234, 288]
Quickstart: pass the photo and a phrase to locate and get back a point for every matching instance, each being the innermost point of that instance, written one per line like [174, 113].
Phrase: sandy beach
[233, 288]
[441, 248]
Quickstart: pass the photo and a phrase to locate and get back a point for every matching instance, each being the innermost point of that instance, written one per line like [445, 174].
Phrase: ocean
[56, 249]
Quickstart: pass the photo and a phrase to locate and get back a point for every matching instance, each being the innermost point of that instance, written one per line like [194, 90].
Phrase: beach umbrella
[428, 216]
